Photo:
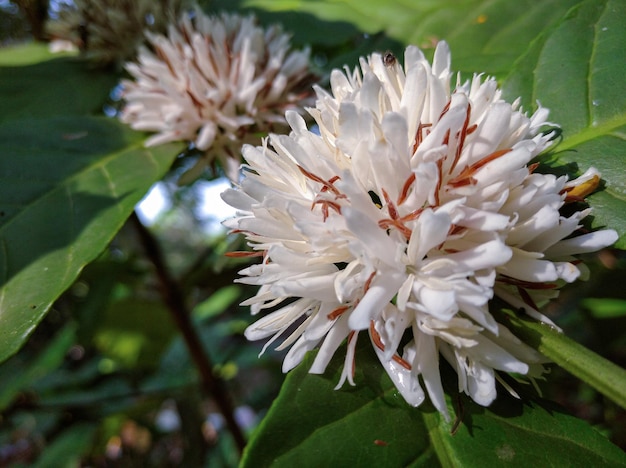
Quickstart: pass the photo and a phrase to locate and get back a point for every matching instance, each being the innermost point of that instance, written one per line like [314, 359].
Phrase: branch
[174, 300]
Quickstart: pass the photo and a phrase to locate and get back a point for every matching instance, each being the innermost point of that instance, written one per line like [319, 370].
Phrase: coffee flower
[412, 208]
[217, 82]
[110, 31]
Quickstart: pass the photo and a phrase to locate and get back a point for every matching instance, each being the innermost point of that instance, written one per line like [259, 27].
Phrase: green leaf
[18, 375]
[125, 335]
[576, 70]
[310, 424]
[217, 303]
[102, 397]
[605, 308]
[66, 450]
[68, 186]
[485, 35]
[302, 27]
[53, 87]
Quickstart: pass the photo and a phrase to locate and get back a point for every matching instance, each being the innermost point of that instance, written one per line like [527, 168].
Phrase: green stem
[606, 377]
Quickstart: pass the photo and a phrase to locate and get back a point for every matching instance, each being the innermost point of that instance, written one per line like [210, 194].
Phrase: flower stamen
[327, 185]
[243, 254]
[325, 205]
[405, 189]
[419, 135]
[526, 284]
[378, 342]
[580, 191]
[526, 297]
[368, 283]
[466, 175]
[337, 312]
[459, 148]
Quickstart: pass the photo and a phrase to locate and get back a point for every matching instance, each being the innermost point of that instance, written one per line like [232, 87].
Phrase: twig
[175, 302]
[36, 12]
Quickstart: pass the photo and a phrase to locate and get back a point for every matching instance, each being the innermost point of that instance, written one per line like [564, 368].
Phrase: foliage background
[102, 376]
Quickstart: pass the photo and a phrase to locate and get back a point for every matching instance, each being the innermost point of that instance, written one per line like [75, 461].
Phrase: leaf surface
[310, 424]
[577, 71]
[67, 186]
[485, 35]
[53, 87]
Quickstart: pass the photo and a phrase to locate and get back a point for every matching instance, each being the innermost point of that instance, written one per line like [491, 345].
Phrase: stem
[36, 12]
[606, 377]
[173, 298]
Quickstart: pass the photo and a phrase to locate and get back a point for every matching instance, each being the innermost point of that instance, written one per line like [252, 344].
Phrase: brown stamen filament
[380, 345]
[526, 284]
[243, 254]
[327, 184]
[368, 282]
[466, 175]
[439, 181]
[526, 297]
[405, 189]
[459, 148]
[399, 223]
[532, 167]
[419, 135]
[390, 206]
[337, 312]
[326, 204]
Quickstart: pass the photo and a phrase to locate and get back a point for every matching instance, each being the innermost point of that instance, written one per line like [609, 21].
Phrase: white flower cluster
[413, 206]
[216, 81]
[110, 31]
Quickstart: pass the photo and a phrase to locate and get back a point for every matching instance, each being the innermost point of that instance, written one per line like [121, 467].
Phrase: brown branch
[173, 298]
[36, 12]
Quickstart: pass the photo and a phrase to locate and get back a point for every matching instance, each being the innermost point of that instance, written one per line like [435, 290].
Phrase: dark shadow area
[13, 24]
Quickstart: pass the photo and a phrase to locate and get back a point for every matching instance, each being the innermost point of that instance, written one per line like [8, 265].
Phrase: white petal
[382, 289]
[441, 304]
[403, 379]
[333, 340]
[427, 362]
[584, 243]
[481, 384]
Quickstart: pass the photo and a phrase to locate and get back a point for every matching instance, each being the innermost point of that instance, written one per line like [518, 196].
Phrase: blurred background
[106, 379]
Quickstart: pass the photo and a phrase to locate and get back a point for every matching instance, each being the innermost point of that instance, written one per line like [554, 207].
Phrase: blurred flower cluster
[218, 82]
[110, 31]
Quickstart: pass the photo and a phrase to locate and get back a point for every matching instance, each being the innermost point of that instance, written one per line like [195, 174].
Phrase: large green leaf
[68, 185]
[51, 87]
[310, 424]
[577, 71]
[485, 35]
